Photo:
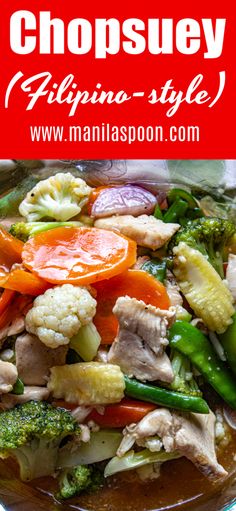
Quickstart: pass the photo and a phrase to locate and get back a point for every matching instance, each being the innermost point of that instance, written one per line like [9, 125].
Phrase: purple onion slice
[124, 200]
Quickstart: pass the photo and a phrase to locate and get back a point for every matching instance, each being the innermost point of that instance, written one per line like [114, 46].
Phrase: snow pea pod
[158, 213]
[176, 210]
[190, 341]
[161, 396]
[228, 341]
[175, 193]
[190, 212]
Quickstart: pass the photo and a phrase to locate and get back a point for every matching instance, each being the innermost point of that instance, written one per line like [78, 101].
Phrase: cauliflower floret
[60, 197]
[58, 314]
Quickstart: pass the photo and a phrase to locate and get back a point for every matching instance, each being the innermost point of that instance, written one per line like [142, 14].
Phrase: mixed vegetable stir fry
[117, 332]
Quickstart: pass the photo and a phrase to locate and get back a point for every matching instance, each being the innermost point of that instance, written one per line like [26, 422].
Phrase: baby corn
[203, 288]
[87, 383]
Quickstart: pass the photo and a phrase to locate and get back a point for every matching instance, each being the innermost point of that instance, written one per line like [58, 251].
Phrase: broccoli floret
[59, 197]
[183, 376]
[208, 235]
[23, 231]
[75, 480]
[32, 433]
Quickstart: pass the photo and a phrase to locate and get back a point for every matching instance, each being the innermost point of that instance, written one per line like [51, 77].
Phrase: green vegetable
[191, 342]
[76, 480]
[158, 213]
[156, 268]
[210, 236]
[175, 193]
[18, 388]
[132, 460]
[183, 381]
[191, 210]
[228, 341]
[103, 445]
[10, 202]
[32, 433]
[176, 211]
[23, 231]
[165, 397]
[86, 342]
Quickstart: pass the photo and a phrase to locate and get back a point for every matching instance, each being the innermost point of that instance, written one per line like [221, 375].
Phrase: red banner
[123, 80]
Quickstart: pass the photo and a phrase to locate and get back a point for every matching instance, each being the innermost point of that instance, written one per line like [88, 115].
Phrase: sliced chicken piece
[34, 359]
[146, 230]
[81, 413]
[155, 423]
[15, 327]
[139, 346]
[30, 393]
[173, 290]
[191, 434]
[8, 376]
[153, 443]
[231, 274]
[138, 360]
[195, 438]
[147, 321]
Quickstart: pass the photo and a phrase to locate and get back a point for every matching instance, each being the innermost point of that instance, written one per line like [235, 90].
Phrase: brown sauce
[180, 486]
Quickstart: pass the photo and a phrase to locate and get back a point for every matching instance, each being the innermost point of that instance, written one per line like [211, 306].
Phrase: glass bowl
[213, 178]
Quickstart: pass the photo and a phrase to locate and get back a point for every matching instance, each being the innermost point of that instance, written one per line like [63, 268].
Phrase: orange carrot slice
[5, 299]
[78, 255]
[10, 250]
[24, 282]
[119, 415]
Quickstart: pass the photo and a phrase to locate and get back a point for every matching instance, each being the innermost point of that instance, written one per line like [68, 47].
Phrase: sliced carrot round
[24, 282]
[6, 298]
[10, 250]
[119, 415]
[78, 255]
[134, 283]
